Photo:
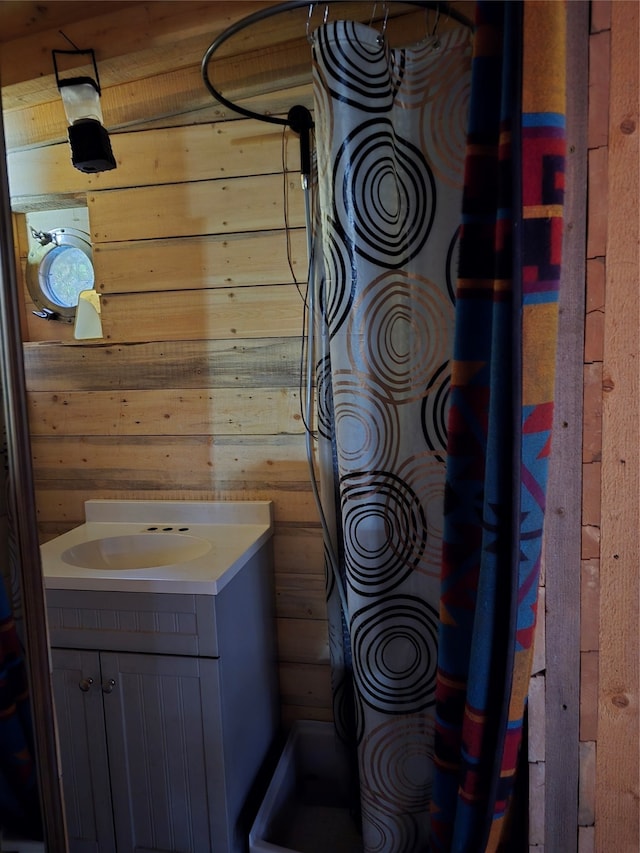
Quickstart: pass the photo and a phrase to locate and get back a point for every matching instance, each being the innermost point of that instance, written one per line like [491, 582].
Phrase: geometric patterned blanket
[501, 410]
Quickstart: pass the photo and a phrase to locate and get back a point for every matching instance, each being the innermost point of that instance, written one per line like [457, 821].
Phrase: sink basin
[190, 547]
[136, 551]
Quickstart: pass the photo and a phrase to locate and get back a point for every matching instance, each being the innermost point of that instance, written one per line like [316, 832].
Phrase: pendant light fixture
[89, 140]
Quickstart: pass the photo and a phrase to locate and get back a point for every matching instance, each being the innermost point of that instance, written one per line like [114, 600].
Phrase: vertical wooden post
[618, 756]
[563, 516]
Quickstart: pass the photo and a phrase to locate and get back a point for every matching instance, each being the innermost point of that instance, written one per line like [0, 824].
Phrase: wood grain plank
[300, 551]
[259, 411]
[300, 596]
[269, 103]
[143, 30]
[618, 759]
[303, 640]
[17, 224]
[183, 315]
[235, 260]
[563, 513]
[21, 17]
[150, 462]
[245, 312]
[222, 149]
[41, 330]
[199, 207]
[242, 363]
[305, 685]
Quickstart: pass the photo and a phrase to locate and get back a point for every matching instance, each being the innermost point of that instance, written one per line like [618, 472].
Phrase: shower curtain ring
[325, 17]
[309, 16]
[434, 31]
[385, 10]
[433, 35]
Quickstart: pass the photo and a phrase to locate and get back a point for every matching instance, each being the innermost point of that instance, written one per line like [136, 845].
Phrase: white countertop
[229, 533]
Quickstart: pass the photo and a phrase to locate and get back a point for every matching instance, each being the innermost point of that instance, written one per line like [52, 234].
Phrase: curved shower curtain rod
[299, 117]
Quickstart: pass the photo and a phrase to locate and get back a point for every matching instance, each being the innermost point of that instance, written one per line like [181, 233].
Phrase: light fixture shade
[81, 99]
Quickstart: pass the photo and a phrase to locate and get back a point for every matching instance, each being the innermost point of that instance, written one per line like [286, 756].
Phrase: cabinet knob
[107, 686]
[85, 683]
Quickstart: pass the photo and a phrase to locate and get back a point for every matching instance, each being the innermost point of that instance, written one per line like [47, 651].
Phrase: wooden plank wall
[194, 391]
[617, 790]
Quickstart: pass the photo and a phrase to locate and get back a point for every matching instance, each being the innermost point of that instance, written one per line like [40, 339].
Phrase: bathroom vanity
[164, 675]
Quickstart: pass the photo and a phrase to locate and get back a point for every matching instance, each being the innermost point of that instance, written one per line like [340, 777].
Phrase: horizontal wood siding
[242, 411]
[201, 207]
[170, 364]
[179, 154]
[151, 461]
[194, 390]
[200, 262]
[181, 315]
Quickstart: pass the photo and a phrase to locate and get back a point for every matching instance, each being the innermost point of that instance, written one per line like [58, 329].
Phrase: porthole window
[59, 268]
[64, 273]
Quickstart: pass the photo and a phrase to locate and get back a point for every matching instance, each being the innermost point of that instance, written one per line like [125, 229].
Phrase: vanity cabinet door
[85, 769]
[163, 739]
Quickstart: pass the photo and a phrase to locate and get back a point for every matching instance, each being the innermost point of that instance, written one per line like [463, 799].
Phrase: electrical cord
[307, 367]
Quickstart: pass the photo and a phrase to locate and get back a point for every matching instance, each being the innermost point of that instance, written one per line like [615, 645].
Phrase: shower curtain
[435, 400]
[390, 142]
[501, 411]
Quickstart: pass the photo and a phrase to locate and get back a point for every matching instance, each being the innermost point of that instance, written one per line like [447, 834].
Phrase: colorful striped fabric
[500, 417]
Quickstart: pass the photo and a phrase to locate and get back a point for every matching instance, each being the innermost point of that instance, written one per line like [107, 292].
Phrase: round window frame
[60, 237]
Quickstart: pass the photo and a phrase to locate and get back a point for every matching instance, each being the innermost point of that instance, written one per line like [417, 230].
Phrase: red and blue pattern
[500, 417]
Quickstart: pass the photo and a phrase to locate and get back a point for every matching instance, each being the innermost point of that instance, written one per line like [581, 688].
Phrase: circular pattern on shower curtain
[398, 755]
[399, 334]
[395, 654]
[390, 132]
[384, 195]
[385, 531]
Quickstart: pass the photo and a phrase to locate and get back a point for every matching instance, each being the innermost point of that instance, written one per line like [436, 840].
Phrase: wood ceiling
[149, 56]
[19, 18]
